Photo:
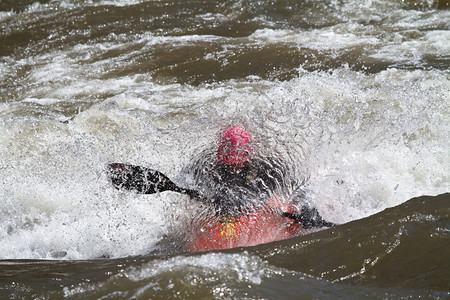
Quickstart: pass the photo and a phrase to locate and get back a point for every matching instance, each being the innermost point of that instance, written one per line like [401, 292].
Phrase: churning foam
[368, 142]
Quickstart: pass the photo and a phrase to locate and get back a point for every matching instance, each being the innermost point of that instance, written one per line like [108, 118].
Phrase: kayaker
[236, 180]
[254, 199]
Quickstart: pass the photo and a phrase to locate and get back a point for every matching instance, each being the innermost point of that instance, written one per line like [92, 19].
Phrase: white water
[212, 270]
[367, 142]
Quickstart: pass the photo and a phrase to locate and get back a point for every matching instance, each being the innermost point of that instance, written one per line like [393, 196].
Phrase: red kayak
[264, 225]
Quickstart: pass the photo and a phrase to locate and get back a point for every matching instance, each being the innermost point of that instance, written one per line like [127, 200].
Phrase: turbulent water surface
[354, 95]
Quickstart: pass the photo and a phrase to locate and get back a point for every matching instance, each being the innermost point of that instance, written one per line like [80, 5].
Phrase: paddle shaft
[143, 180]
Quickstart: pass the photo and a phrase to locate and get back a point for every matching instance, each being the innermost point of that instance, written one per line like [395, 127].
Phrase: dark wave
[400, 252]
[406, 246]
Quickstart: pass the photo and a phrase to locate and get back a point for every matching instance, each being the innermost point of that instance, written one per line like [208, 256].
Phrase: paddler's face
[236, 168]
[235, 159]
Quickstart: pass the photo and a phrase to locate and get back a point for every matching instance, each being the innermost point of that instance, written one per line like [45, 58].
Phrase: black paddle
[147, 181]
[144, 180]
[308, 218]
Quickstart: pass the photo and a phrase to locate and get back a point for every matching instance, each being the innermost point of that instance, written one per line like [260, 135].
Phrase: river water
[355, 95]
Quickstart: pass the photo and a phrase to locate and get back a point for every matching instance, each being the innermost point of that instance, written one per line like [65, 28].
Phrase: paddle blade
[308, 218]
[139, 179]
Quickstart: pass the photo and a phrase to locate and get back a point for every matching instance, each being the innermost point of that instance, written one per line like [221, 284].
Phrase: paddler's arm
[273, 171]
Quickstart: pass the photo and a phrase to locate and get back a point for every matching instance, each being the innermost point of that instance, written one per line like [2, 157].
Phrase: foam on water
[364, 142]
[57, 203]
[211, 270]
[320, 39]
[52, 4]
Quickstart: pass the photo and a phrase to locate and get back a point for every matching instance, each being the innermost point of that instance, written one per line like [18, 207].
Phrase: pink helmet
[234, 146]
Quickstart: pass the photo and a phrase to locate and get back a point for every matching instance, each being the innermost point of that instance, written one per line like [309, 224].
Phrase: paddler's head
[234, 147]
